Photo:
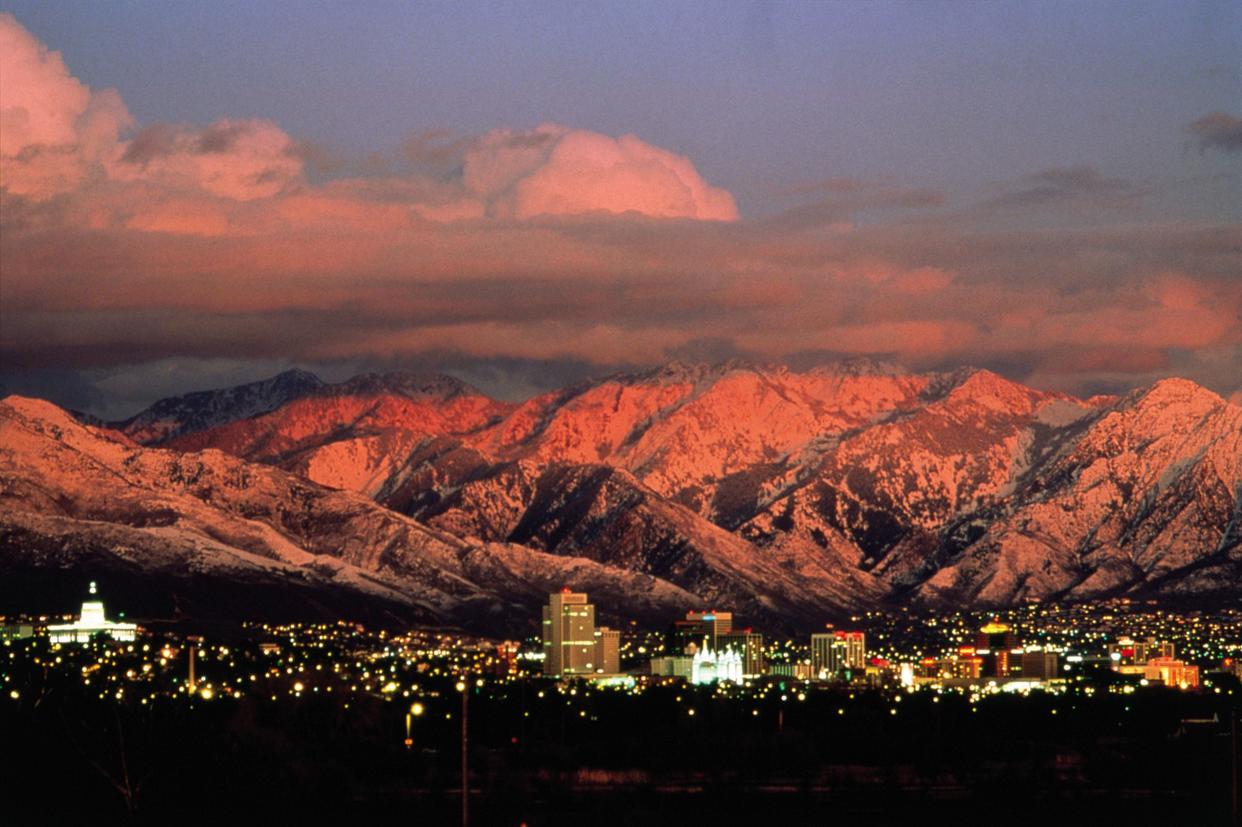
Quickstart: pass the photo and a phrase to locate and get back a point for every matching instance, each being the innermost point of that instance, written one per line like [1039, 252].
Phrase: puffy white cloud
[554, 170]
[53, 128]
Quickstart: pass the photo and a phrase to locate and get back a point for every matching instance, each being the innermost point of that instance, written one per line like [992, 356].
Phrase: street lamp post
[464, 688]
[416, 709]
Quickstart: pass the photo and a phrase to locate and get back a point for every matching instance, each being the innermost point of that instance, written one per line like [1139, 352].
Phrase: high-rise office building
[1039, 665]
[607, 651]
[832, 652]
[749, 645]
[569, 643]
[821, 645]
[996, 643]
[700, 629]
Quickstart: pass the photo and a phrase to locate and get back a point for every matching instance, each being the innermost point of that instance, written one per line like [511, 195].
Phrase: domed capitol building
[91, 621]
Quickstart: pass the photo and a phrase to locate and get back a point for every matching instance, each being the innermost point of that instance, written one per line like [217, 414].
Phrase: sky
[193, 195]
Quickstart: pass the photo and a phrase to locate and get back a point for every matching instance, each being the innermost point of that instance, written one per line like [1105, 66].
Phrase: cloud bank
[126, 245]
[1218, 130]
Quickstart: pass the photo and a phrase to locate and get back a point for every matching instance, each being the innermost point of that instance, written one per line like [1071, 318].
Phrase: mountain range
[792, 497]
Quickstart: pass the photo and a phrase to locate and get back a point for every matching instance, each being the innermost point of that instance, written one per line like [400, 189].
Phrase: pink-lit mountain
[777, 491]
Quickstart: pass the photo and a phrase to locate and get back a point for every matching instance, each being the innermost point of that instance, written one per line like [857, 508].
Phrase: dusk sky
[195, 195]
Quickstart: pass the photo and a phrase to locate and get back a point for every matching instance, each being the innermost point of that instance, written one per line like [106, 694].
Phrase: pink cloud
[554, 170]
[238, 159]
[548, 244]
[54, 130]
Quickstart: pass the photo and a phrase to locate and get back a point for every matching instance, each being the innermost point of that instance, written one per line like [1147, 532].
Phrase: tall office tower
[700, 629]
[821, 644]
[833, 651]
[718, 622]
[749, 645]
[608, 651]
[569, 645]
[995, 642]
[1038, 665]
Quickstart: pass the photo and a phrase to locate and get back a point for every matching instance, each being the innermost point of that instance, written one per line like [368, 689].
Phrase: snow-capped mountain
[881, 479]
[786, 493]
[169, 418]
[1147, 493]
[355, 435]
[75, 497]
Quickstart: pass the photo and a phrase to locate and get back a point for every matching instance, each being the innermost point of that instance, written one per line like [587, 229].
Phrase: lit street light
[465, 766]
[416, 709]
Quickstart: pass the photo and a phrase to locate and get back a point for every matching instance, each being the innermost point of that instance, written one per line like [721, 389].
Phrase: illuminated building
[607, 651]
[835, 652]
[714, 630]
[569, 643]
[964, 667]
[820, 646]
[1037, 665]
[798, 671]
[749, 645]
[995, 643]
[507, 658]
[700, 629]
[16, 631]
[1129, 652]
[717, 622]
[673, 666]
[1172, 672]
[90, 622]
[709, 666]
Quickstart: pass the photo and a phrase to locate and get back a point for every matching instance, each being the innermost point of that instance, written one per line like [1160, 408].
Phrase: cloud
[1218, 130]
[556, 246]
[849, 197]
[1057, 186]
[54, 131]
[57, 136]
[554, 170]
[60, 137]
[238, 159]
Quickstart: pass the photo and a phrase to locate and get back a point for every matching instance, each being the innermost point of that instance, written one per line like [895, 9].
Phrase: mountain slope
[356, 434]
[1147, 498]
[787, 494]
[183, 515]
[172, 417]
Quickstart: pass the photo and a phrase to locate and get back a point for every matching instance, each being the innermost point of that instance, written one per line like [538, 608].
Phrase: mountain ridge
[802, 493]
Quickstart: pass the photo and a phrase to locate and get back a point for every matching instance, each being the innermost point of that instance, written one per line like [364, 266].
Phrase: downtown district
[1116, 646]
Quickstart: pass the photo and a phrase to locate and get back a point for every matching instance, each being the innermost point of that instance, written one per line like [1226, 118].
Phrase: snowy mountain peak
[177, 415]
[31, 408]
[1173, 391]
[989, 390]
